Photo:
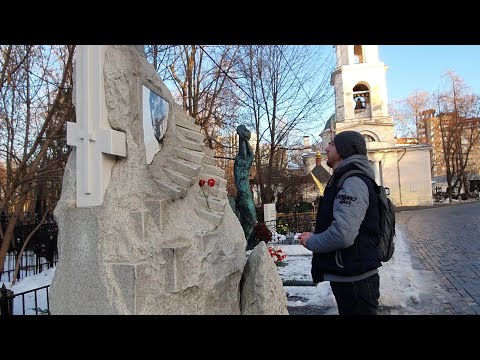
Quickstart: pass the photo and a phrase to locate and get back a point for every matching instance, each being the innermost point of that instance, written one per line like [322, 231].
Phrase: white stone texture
[147, 249]
[262, 290]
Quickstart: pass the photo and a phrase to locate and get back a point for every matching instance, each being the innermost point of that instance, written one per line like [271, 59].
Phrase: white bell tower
[361, 92]
[361, 104]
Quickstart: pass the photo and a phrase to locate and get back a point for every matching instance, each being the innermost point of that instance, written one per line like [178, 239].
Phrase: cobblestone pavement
[444, 243]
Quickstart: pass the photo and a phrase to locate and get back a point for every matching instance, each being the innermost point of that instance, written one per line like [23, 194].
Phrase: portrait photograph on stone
[155, 121]
[159, 115]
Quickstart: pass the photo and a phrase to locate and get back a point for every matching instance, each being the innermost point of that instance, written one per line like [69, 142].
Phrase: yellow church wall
[405, 171]
[415, 178]
[388, 172]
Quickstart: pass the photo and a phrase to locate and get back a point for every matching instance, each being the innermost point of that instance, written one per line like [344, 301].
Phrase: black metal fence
[295, 222]
[44, 240]
[31, 263]
[40, 253]
[288, 240]
[287, 225]
[32, 302]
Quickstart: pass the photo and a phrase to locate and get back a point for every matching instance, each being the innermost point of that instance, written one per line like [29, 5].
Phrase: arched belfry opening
[358, 54]
[361, 98]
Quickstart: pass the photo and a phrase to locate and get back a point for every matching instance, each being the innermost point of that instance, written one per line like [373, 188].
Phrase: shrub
[282, 227]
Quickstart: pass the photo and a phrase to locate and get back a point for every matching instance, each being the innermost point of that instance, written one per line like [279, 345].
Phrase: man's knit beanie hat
[349, 143]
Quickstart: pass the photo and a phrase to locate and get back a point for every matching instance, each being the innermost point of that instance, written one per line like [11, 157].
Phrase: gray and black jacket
[345, 242]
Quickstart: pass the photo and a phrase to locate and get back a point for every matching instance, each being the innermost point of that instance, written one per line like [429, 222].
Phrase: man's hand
[303, 237]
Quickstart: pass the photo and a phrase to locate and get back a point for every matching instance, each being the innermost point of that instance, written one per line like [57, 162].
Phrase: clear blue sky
[420, 67]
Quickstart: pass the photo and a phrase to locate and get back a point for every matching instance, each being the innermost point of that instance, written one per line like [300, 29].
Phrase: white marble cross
[95, 141]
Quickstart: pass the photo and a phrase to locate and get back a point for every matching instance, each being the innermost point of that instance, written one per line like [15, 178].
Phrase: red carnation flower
[211, 182]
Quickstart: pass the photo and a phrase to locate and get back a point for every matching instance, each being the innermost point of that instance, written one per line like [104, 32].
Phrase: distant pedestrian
[345, 240]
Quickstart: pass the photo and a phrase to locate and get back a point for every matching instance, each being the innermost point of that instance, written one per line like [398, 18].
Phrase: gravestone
[137, 235]
[262, 289]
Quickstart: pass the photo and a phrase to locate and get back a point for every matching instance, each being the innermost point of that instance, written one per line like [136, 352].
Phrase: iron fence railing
[30, 264]
[293, 222]
[31, 302]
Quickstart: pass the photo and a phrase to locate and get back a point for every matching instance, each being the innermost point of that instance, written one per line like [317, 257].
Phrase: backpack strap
[350, 173]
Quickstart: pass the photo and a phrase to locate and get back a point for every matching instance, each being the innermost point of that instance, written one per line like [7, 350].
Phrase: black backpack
[386, 212]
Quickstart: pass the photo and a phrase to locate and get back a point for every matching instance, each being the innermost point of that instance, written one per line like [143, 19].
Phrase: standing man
[345, 240]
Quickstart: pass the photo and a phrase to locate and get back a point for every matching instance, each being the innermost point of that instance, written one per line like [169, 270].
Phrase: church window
[358, 54]
[368, 138]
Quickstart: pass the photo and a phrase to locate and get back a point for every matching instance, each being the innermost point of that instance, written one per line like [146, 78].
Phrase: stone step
[211, 216]
[213, 170]
[178, 178]
[185, 167]
[190, 119]
[187, 124]
[213, 202]
[191, 145]
[209, 160]
[191, 134]
[218, 192]
[222, 193]
[173, 191]
[222, 182]
[189, 155]
[209, 152]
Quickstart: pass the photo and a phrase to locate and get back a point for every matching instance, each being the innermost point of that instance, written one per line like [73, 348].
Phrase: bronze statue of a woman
[245, 207]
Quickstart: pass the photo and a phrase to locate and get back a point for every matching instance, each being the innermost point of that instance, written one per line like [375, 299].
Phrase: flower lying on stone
[277, 255]
[201, 183]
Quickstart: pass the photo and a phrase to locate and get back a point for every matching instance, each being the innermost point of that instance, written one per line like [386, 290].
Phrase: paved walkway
[446, 242]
